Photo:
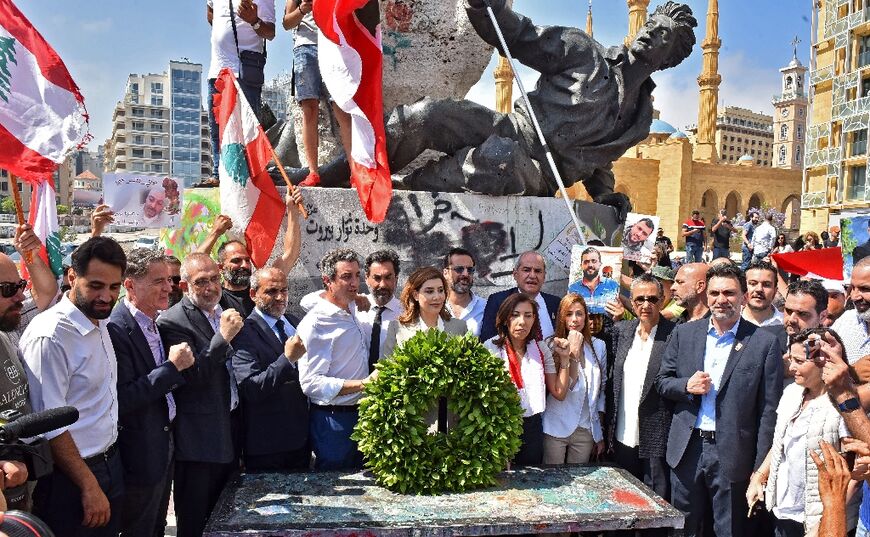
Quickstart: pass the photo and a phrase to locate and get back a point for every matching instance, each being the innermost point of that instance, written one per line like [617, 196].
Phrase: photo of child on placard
[639, 237]
[143, 200]
[595, 274]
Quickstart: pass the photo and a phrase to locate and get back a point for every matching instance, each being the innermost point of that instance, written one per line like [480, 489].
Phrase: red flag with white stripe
[42, 111]
[822, 264]
[351, 64]
[248, 195]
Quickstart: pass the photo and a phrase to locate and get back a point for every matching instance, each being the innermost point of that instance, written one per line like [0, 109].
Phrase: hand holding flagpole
[19, 211]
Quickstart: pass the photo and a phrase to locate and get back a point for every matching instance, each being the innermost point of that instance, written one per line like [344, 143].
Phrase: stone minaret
[709, 81]
[636, 18]
[504, 86]
[589, 20]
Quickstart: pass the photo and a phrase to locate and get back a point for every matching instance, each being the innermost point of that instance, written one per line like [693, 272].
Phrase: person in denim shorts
[308, 84]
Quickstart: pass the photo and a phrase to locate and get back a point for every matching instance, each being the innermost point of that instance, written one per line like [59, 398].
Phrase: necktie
[282, 334]
[375, 346]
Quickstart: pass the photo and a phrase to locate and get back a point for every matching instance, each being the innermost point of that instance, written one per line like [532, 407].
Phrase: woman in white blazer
[573, 425]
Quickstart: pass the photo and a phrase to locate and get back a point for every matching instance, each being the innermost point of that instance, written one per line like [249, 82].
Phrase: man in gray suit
[724, 376]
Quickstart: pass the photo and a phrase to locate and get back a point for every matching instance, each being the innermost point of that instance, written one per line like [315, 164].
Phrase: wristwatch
[257, 24]
[849, 405]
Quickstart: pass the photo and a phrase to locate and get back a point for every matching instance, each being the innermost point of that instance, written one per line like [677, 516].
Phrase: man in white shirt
[854, 325]
[336, 368]
[459, 269]
[638, 433]
[254, 23]
[382, 277]
[761, 279]
[70, 361]
[763, 239]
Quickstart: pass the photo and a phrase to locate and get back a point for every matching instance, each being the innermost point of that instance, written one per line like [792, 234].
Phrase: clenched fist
[699, 383]
[222, 224]
[294, 348]
[231, 324]
[181, 356]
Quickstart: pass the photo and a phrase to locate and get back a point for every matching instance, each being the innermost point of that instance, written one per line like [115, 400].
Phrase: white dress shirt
[71, 362]
[338, 349]
[392, 310]
[584, 401]
[533, 366]
[633, 376]
[855, 336]
[214, 319]
[472, 314]
[547, 329]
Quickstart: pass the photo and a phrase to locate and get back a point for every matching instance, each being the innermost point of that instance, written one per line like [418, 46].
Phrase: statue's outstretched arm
[543, 48]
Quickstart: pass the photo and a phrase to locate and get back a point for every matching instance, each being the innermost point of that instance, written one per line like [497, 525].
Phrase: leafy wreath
[393, 436]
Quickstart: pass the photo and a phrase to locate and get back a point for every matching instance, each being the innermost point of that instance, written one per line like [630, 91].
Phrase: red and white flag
[42, 111]
[823, 264]
[248, 195]
[351, 64]
[43, 219]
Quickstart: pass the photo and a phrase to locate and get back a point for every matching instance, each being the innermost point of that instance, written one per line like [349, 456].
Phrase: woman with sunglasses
[573, 424]
[811, 241]
[787, 480]
[531, 367]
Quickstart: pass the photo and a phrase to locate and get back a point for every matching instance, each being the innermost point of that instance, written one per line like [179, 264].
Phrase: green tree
[62, 209]
[67, 234]
[7, 205]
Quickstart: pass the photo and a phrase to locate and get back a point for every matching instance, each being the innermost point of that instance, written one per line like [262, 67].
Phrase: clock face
[785, 112]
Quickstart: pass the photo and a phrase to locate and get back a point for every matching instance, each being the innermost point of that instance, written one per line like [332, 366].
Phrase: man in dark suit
[530, 274]
[637, 431]
[275, 411]
[204, 451]
[725, 377]
[147, 375]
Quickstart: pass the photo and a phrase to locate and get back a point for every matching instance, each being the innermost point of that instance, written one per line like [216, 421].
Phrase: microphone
[38, 423]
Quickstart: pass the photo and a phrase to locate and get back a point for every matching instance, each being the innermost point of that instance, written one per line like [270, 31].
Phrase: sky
[103, 41]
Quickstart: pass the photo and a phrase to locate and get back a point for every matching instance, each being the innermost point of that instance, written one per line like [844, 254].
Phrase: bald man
[690, 292]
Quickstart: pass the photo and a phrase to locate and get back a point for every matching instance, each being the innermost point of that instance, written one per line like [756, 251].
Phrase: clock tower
[790, 116]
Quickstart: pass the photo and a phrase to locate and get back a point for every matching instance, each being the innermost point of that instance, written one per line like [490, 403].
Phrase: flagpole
[19, 211]
[287, 180]
[534, 118]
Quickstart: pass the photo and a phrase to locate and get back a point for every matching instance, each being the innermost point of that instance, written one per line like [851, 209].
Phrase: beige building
[160, 127]
[741, 132]
[790, 117]
[836, 151]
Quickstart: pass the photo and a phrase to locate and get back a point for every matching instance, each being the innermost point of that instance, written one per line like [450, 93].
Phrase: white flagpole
[537, 125]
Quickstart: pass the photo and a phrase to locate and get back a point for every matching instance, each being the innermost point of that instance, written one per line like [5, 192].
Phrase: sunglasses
[652, 299]
[461, 270]
[10, 289]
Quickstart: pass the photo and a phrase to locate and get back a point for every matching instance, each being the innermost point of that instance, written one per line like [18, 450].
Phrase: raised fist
[181, 356]
[231, 324]
[294, 348]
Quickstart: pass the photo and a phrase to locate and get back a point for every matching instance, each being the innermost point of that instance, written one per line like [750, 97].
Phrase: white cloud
[96, 26]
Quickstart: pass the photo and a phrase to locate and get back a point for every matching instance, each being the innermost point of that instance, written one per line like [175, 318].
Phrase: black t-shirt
[666, 245]
[722, 235]
[244, 297]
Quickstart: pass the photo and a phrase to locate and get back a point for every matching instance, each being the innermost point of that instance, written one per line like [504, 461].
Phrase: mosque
[672, 173]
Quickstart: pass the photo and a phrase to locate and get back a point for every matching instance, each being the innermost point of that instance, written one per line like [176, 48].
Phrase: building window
[156, 100]
[864, 51]
[783, 133]
[138, 139]
[800, 112]
[157, 128]
[157, 168]
[137, 112]
[857, 184]
[157, 87]
[156, 154]
[859, 143]
[156, 140]
[797, 155]
[157, 114]
[4, 187]
[138, 125]
[800, 132]
[782, 156]
[139, 153]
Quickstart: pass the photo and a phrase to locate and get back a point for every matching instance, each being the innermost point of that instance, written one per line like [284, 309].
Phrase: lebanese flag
[248, 195]
[42, 111]
[823, 264]
[351, 65]
[43, 219]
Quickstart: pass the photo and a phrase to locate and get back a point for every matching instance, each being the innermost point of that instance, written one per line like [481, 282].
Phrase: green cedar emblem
[7, 54]
[235, 163]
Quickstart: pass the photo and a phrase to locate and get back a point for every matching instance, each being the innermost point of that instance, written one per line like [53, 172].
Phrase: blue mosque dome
[679, 135]
[661, 127]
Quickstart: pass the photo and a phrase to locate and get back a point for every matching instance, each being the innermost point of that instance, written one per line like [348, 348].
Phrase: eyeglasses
[462, 270]
[10, 289]
[203, 282]
[652, 299]
[175, 280]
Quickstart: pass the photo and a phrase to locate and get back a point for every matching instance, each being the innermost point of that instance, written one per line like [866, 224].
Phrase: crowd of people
[185, 373]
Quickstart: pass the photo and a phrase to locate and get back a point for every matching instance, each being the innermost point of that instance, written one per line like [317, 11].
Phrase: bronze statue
[593, 103]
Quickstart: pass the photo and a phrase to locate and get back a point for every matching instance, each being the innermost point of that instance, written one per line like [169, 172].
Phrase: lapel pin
[738, 346]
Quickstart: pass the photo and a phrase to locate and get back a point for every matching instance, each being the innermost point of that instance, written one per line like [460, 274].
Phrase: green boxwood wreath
[393, 436]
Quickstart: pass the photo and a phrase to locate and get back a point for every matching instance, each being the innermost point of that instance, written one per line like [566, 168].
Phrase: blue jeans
[694, 253]
[330, 439]
[719, 251]
[747, 257]
[252, 94]
[307, 82]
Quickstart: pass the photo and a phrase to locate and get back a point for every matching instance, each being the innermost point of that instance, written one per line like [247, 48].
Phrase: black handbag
[251, 63]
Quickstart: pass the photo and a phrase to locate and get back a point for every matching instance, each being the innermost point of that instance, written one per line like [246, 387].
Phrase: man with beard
[70, 361]
[234, 260]
[854, 325]
[459, 269]
[634, 238]
[206, 406]
[596, 290]
[761, 279]
[690, 286]
[724, 376]
[836, 300]
[175, 294]
[382, 277]
[275, 411]
[147, 375]
[530, 273]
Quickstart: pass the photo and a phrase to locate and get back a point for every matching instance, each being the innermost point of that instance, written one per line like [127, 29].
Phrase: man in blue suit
[147, 375]
[530, 274]
[274, 409]
[724, 375]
